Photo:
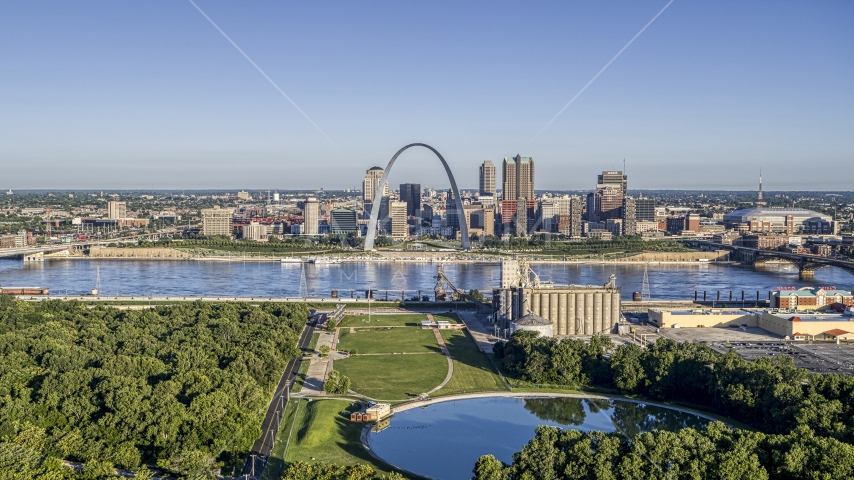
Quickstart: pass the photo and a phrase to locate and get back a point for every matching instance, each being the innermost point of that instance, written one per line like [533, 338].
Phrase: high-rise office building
[343, 220]
[629, 216]
[487, 178]
[521, 217]
[373, 177]
[216, 221]
[117, 210]
[311, 217]
[410, 193]
[608, 203]
[548, 215]
[608, 198]
[399, 226]
[645, 209]
[612, 179]
[517, 178]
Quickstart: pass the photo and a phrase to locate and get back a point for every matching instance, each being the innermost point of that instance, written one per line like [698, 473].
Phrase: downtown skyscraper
[517, 178]
[487, 179]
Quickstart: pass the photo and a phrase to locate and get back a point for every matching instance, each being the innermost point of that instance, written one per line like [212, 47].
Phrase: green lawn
[312, 344]
[322, 432]
[472, 370]
[397, 320]
[387, 340]
[394, 377]
[298, 381]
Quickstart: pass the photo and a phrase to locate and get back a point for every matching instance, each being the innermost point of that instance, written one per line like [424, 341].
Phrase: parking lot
[753, 343]
[817, 358]
[719, 335]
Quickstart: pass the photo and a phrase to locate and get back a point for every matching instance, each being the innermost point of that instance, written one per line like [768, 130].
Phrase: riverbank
[416, 257]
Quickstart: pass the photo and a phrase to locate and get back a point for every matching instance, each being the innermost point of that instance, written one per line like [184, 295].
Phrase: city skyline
[133, 92]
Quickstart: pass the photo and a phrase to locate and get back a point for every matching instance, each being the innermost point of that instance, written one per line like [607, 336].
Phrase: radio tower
[645, 295]
[759, 201]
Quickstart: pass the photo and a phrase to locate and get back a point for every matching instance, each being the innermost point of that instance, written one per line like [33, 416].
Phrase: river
[267, 279]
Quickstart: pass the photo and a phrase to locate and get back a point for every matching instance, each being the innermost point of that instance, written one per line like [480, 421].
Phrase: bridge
[37, 252]
[32, 253]
[806, 264]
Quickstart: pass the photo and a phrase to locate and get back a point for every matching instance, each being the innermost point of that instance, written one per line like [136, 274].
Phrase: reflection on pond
[463, 430]
[627, 417]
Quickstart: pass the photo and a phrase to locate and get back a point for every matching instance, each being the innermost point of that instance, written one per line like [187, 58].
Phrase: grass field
[312, 344]
[472, 370]
[394, 377]
[300, 379]
[387, 340]
[401, 320]
[321, 433]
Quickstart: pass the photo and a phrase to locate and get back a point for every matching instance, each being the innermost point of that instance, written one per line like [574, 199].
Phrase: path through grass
[472, 370]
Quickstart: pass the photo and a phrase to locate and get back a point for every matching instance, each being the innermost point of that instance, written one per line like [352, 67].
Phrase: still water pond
[444, 440]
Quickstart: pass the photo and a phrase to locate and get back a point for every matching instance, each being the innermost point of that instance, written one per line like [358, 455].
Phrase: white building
[311, 217]
[216, 221]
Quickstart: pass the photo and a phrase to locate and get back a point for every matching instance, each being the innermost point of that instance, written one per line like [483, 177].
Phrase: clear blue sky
[106, 94]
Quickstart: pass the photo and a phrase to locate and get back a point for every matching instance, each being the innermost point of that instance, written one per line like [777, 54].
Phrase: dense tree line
[559, 243]
[328, 471]
[713, 453]
[800, 413]
[183, 387]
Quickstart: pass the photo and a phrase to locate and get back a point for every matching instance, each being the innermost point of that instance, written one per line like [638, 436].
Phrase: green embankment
[298, 382]
[472, 370]
[312, 344]
[321, 431]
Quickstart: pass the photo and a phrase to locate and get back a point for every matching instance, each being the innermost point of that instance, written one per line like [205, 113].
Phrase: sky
[139, 95]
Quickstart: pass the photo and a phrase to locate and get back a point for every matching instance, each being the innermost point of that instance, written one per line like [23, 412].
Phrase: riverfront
[249, 279]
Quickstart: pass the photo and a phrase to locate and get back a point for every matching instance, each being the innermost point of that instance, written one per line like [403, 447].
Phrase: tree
[336, 383]
[627, 368]
[324, 350]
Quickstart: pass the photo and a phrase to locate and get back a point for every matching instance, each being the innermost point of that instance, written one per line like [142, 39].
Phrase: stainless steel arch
[378, 196]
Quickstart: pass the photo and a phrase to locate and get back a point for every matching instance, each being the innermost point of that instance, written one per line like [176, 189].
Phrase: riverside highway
[257, 459]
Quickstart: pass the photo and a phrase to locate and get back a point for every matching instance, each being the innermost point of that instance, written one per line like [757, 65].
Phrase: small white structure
[534, 323]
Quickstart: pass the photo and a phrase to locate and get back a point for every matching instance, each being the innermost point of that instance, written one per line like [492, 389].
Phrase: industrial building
[533, 323]
[571, 309]
[773, 219]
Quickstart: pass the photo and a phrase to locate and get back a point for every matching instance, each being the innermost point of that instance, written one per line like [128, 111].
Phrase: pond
[444, 440]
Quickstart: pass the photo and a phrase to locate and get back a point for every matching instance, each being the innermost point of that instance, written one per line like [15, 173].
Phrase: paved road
[257, 459]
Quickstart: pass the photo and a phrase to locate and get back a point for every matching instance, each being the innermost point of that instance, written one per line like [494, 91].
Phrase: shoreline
[365, 435]
[343, 261]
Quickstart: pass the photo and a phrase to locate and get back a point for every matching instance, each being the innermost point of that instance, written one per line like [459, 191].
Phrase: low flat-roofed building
[709, 318]
[817, 326]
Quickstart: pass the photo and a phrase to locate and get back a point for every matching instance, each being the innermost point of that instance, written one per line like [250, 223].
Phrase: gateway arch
[378, 196]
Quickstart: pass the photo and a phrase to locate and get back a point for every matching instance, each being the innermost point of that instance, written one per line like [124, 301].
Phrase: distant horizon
[314, 190]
